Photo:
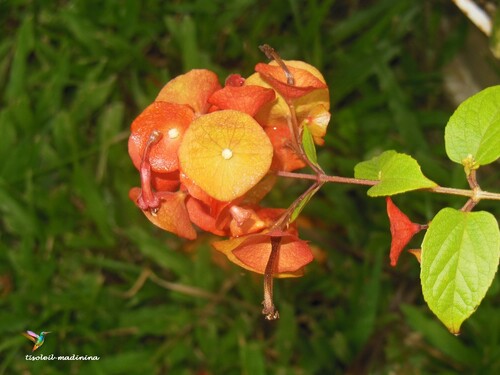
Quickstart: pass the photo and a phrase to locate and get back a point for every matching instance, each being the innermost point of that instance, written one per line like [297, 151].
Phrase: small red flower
[235, 80]
[402, 230]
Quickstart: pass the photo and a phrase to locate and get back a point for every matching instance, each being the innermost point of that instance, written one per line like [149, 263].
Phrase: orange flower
[402, 230]
[252, 253]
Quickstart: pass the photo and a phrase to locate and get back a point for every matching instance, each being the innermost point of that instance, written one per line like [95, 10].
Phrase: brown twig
[269, 309]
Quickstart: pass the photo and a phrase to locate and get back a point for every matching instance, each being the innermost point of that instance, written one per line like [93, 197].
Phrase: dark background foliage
[77, 258]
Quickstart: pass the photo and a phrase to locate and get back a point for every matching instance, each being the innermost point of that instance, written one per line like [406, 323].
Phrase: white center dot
[227, 154]
[173, 133]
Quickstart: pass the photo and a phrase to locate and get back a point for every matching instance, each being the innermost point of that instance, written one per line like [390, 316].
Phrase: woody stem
[271, 54]
[480, 194]
[269, 310]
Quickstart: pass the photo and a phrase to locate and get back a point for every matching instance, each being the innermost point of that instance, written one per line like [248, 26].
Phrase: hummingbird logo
[37, 339]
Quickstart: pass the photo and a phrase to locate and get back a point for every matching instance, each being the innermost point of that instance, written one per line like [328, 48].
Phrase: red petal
[165, 181]
[171, 120]
[172, 214]
[248, 99]
[244, 221]
[200, 215]
[402, 230]
[305, 82]
[284, 157]
[252, 252]
[294, 254]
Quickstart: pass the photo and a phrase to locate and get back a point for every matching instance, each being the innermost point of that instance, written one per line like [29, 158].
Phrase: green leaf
[302, 203]
[472, 135]
[396, 172]
[24, 45]
[460, 255]
[308, 145]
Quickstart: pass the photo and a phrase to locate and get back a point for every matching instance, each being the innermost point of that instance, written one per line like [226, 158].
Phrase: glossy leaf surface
[472, 135]
[396, 172]
[459, 257]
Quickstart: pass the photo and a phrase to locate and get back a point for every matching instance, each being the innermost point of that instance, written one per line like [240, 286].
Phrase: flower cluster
[207, 155]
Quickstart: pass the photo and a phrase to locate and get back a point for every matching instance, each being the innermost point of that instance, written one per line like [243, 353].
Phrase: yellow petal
[225, 153]
[192, 88]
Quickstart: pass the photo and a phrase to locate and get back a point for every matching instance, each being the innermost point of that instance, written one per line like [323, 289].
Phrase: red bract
[402, 230]
[165, 181]
[205, 218]
[252, 252]
[248, 220]
[304, 81]
[248, 99]
[285, 158]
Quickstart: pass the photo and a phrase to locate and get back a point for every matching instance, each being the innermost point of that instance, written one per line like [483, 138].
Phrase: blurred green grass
[77, 257]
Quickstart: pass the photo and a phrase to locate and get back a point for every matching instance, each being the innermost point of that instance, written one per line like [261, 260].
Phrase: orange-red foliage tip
[402, 230]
